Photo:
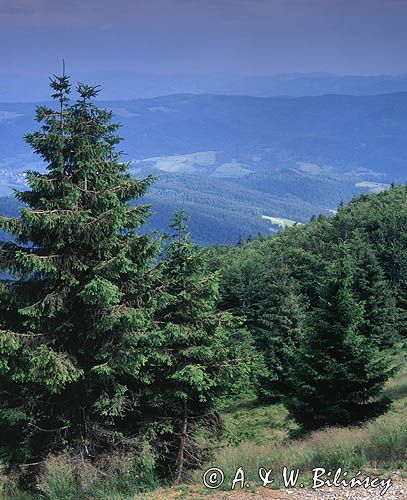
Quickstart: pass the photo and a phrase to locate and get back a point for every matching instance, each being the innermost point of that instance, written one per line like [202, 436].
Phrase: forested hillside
[277, 283]
[126, 354]
[230, 161]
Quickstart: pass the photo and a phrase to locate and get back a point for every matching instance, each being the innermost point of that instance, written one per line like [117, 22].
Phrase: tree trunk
[183, 439]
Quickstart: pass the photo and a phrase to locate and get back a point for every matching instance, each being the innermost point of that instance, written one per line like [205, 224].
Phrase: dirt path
[398, 491]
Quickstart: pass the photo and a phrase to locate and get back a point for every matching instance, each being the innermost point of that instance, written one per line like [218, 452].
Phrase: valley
[236, 163]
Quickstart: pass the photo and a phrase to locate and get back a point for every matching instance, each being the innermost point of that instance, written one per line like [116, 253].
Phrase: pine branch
[48, 430]
[30, 334]
[57, 211]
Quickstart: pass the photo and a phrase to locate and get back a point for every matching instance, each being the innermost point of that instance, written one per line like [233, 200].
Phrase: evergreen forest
[131, 360]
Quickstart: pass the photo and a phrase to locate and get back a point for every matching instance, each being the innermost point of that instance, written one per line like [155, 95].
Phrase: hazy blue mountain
[132, 85]
[241, 164]
[342, 132]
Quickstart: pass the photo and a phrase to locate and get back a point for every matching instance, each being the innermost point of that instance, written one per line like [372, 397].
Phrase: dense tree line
[300, 289]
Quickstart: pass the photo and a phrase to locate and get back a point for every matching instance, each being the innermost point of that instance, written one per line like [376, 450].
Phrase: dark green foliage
[81, 295]
[336, 374]
[276, 283]
[105, 344]
[240, 241]
[270, 301]
[98, 344]
[279, 330]
[200, 353]
[371, 288]
[383, 218]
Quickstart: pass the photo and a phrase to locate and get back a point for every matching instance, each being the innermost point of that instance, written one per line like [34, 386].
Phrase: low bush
[116, 477]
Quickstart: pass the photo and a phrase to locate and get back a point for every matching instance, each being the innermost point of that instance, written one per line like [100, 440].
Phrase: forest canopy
[114, 340]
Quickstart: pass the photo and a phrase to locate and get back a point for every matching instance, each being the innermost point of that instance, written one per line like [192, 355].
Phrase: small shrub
[59, 479]
[386, 438]
[124, 475]
[331, 448]
[113, 476]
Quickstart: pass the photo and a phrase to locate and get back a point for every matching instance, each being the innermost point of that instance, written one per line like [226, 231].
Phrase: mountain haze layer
[131, 85]
[241, 164]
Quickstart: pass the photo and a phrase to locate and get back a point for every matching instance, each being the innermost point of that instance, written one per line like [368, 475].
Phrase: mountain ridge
[235, 159]
[129, 84]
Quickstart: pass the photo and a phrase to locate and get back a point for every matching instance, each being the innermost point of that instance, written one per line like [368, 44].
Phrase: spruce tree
[203, 351]
[80, 296]
[380, 316]
[337, 375]
[279, 326]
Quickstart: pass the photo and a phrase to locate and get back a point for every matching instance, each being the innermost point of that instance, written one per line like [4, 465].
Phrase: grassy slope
[260, 437]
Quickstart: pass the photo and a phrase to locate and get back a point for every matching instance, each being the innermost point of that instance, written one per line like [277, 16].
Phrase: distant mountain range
[242, 164]
[132, 85]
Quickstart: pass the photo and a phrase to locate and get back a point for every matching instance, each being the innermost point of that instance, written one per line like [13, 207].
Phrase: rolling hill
[238, 162]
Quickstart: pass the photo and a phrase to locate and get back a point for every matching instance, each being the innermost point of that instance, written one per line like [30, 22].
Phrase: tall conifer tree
[337, 375]
[71, 317]
[202, 352]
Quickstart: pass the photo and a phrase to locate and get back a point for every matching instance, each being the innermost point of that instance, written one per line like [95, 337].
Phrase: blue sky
[246, 37]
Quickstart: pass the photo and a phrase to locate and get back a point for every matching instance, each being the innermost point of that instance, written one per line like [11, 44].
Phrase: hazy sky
[233, 36]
